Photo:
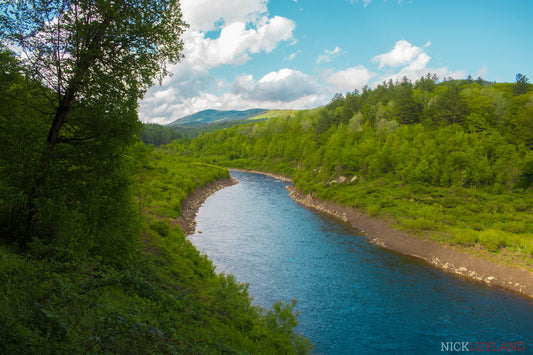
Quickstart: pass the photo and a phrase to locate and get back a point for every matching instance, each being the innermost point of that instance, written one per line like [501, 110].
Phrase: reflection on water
[354, 297]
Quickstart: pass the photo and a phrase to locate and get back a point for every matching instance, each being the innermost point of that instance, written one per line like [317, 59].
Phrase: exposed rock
[190, 207]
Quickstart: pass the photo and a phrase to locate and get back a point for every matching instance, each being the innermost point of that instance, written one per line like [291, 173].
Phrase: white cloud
[402, 54]
[284, 85]
[414, 62]
[236, 43]
[349, 79]
[328, 55]
[286, 88]
[245, 30]
[293, 55]
[209, 15]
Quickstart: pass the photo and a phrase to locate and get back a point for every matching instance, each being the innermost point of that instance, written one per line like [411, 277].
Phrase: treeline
[158, 135]
[467, 145]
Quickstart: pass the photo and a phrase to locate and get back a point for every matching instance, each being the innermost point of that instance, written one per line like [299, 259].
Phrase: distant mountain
[208, 117]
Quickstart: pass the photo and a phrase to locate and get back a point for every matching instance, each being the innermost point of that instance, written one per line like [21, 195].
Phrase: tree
[521, 85]
[94, 60]
[21, 128]
[427, 83]
[451, 107]
[520, 114]
[406, 110]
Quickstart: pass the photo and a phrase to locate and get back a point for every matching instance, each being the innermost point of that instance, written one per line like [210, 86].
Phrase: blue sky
[242, 54]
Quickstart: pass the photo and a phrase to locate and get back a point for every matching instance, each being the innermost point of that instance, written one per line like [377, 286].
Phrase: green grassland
[273, 114]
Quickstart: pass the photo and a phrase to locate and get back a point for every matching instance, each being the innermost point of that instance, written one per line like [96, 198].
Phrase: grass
[273, 114]
[466, 216]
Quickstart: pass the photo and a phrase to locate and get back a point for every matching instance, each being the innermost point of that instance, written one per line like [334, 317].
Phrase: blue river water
[353, 297]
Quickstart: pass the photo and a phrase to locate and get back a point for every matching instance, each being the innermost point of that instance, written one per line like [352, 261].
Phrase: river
[353, 297]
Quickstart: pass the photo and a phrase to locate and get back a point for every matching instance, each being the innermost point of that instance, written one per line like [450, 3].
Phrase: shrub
[465, 237]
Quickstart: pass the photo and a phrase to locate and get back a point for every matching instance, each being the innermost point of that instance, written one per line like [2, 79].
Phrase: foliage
[90, 258]
[91, 61]
[213, 120]
[521, 85]
[449, 160]
[207, 117]
[157, 135]
[163, 297]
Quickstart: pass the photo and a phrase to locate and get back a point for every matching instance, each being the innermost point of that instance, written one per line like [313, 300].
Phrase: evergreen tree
[406, 109]
[521, 85]
[451, 107]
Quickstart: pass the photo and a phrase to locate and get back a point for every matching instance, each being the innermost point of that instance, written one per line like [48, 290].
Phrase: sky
[296, 54]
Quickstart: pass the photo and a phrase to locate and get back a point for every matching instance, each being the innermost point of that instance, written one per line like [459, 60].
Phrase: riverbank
[189, 208]
[445, 257]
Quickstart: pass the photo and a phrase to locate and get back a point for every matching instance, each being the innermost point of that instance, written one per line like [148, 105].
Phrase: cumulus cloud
[209, 15]
[328, 55]
[402, 53]
[243, 28]
[413, 62]
[349, 79]
[284, 85]
[286, 88]
[236, 43]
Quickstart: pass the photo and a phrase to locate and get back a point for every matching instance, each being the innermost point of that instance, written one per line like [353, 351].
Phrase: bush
[493, 239]
[465, 237]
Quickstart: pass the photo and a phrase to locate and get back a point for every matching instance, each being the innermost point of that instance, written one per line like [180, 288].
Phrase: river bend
[354, 297]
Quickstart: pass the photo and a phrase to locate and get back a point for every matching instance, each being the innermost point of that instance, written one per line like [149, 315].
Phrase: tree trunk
[43, 169]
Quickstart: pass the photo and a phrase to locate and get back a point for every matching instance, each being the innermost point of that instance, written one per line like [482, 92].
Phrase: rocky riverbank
[445, 257]
[190, 207]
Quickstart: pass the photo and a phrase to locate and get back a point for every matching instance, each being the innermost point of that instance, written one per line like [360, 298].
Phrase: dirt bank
[190, 207]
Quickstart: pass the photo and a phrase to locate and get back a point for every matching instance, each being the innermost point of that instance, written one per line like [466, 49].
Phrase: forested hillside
[206, 117]
[451, 161]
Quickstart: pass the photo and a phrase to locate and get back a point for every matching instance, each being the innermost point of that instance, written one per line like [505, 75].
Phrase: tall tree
[451, 107]
[406, 110]
[521, 85]
[94, 59]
